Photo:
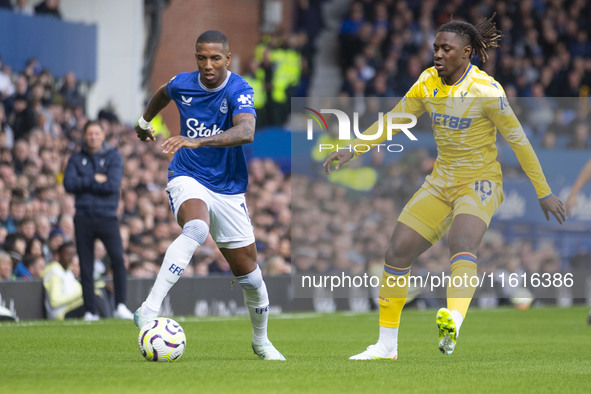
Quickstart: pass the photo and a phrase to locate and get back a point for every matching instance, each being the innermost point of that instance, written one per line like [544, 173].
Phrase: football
[162, 339]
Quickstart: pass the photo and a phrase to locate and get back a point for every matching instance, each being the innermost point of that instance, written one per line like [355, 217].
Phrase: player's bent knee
[398, 257]
[463, 244]
[251, 281]
[197, 230]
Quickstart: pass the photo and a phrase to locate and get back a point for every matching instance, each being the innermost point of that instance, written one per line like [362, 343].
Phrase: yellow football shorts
[432, 209]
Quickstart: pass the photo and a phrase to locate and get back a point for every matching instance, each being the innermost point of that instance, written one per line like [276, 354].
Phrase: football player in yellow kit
[466, 107]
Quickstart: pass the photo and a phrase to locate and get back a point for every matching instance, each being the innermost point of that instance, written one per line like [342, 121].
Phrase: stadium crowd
[25, 7]
[283, 63]
[41, 125]
[544, 64]
[336, 230]
[545, 52]
[384, 47]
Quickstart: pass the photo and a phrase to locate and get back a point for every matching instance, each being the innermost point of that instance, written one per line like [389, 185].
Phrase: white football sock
[458, 319]
[177, 257]
[256, 299]
[388, 339]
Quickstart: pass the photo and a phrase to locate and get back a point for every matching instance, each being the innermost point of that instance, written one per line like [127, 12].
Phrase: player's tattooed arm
[241, 133]
[157, 103]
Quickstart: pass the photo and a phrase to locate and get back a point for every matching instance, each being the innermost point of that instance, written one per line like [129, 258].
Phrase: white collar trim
[223, 85]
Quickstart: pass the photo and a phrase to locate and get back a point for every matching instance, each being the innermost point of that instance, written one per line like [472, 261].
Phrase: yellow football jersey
[465, 118]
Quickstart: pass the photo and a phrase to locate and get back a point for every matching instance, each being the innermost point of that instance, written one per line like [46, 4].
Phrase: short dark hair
[30, 259]
[212, 37]
[65, 245]
[26, 219]
[21, 97]
[92, 123]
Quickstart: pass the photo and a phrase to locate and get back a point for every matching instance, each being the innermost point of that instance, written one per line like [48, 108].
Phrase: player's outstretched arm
[342, 157]
[241, 133]
[160, 100]
[411, 103]
[554, 205]
[582, 179]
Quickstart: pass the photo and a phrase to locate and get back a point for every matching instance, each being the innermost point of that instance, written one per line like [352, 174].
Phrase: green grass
[502, 350]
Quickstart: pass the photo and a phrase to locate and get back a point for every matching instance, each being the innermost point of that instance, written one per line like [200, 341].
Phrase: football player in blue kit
[207, 179]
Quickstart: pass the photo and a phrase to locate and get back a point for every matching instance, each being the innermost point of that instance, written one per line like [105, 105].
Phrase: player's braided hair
[481, 37]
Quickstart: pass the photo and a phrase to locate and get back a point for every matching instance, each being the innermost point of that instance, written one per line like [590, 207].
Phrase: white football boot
[374, 352]
[140, 318]
[267, 351]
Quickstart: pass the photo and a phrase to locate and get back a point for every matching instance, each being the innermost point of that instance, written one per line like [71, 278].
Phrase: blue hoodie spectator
[94, 199]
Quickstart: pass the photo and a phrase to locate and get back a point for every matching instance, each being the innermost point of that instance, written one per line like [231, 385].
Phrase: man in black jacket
[94, 176]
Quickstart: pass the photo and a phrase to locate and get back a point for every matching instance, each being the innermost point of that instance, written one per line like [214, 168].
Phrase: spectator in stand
[287, 63]
[580, 138]
[55, 240]
[549, 140]
[255, 75]
[15, 245]
[26, 228]
[48, 8]
[22, 120]
[30, 268]
[66, 225]
[309, 17]
[63, 292]
[35, 265]
[6, 85]
[5, 266]
[6, 135]
[146, 269]
[348, 34]
[34, 247]
[23, 7]
[6, 221]
[276, 265]
[69, 92]
[21, 155]
[42, 231]
[32, 71]
[130, 205]
[3, 235]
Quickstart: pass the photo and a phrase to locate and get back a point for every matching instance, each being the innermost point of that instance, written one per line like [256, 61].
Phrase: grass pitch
[501, 350]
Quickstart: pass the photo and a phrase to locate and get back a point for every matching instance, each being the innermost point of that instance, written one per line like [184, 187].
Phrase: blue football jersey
[205, 112]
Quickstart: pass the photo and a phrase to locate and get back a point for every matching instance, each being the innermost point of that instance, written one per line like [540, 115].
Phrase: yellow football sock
[460, 292]
[392, 295]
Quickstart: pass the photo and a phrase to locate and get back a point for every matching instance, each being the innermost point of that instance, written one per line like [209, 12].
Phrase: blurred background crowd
[544, 64]
[545, 49]
[383, 46]
[337, 229]
[545, 52]
[41, 121]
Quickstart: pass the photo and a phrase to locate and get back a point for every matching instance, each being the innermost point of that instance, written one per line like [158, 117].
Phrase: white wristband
[144, 125]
